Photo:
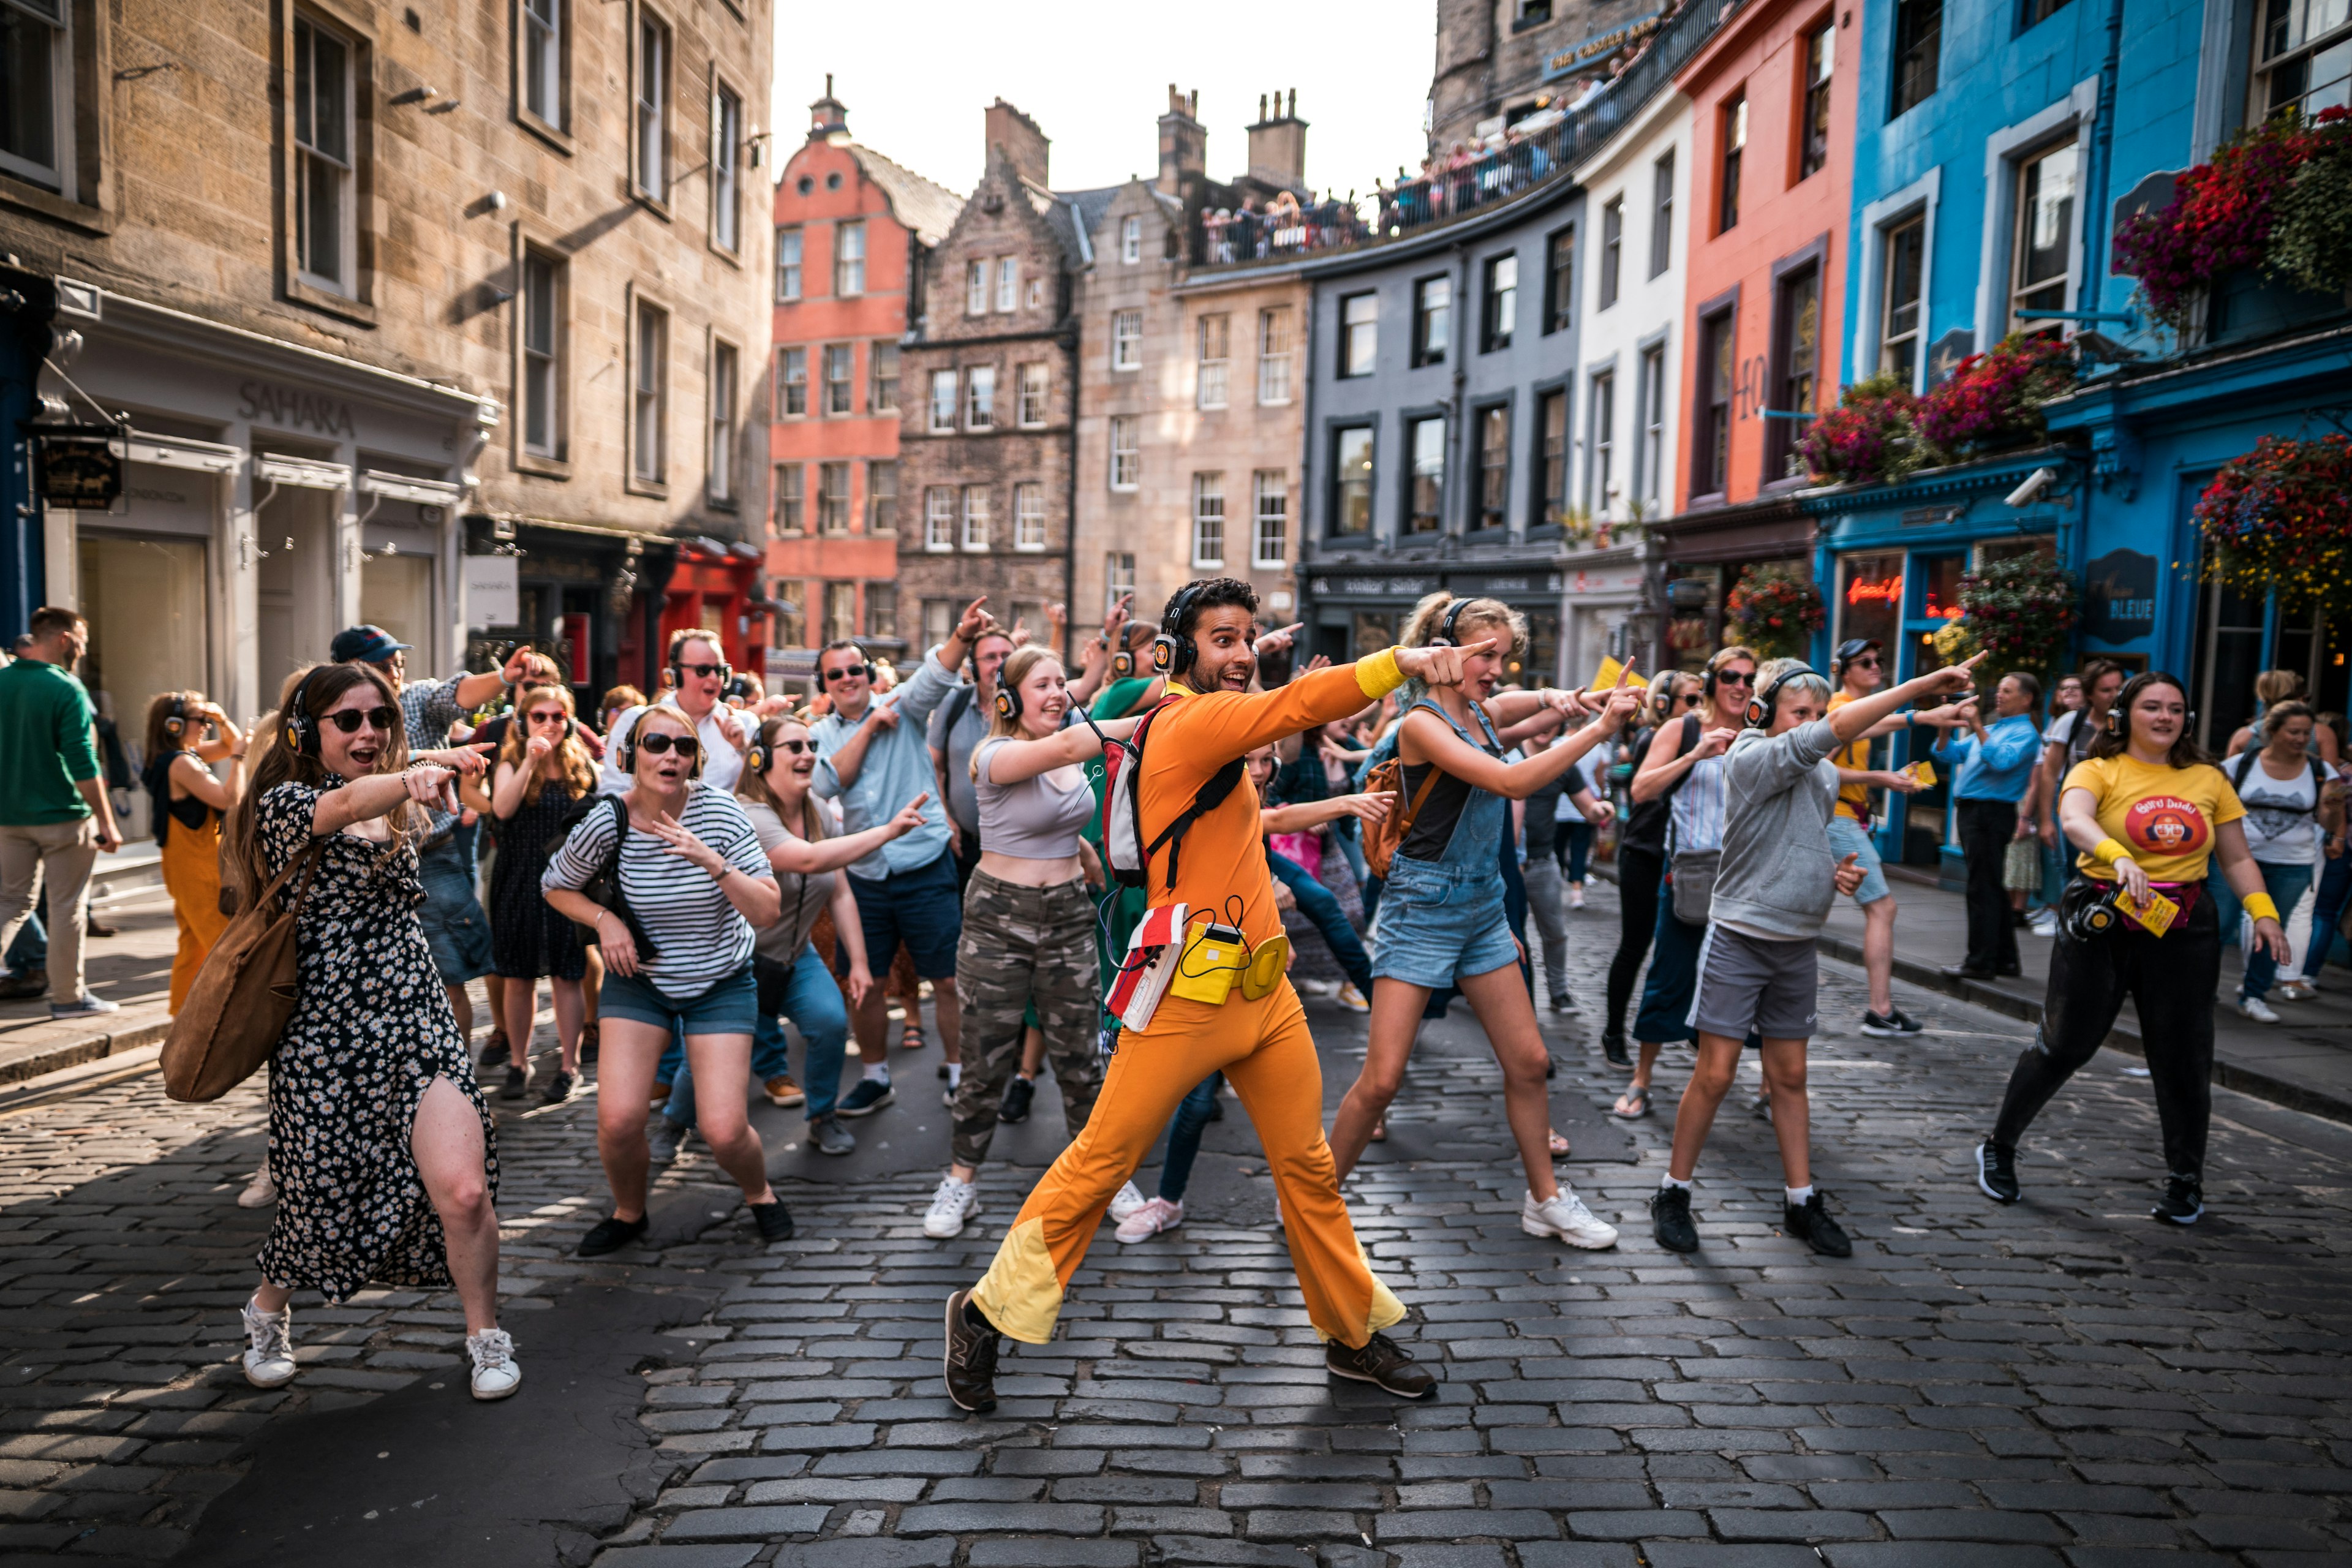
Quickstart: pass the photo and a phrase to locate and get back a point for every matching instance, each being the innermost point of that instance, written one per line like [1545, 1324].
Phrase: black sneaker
[1890, 1024]
[517, 1083]
[1018, 1093]
[17, 987]
[1670, 1219]
[1613, 1045]
[774, 1220]
[2183, 1201]
[1563, 1004]
[826, 1135]
[969, 1356]
[610, 1235]
[1811, 1223]
[1997, 1173]
[558, 1090]
[589, 1044]
[1382, 1363]
[870, 1096]
[495, 1050]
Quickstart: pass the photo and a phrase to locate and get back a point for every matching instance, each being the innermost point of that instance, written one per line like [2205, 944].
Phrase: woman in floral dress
[383, 1154]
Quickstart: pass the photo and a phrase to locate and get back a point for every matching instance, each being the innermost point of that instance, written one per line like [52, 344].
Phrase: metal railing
[1259, 236]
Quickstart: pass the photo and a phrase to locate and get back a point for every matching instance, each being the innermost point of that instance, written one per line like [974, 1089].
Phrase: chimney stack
[1183, 145]
[1277, 146]
[1026, 146]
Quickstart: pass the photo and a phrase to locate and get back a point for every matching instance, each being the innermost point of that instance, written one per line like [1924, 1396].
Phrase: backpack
[604, 889]
[242, 995]
[2244, 764]
[1126, 854]
[1380, 840]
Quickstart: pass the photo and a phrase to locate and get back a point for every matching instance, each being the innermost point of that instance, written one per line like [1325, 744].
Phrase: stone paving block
[1634, 1524]
[1709, 1554]
[1936, 1555]
[1046, 1551]
[745, 1523]
[1208, 1551]
[1577, 1555]
[876, 1551]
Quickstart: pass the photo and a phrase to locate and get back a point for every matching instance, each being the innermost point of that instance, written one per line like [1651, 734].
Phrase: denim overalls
[1444, 919]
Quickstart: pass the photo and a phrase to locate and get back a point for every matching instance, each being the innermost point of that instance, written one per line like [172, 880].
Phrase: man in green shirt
[53, 813]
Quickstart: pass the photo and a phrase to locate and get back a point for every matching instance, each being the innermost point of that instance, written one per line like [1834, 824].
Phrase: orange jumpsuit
[1263, 1047]
[191, 868]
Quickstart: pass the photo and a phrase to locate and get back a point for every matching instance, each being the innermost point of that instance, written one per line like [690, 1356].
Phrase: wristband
[1378, 676]
[2260, 906]
[2106, 852]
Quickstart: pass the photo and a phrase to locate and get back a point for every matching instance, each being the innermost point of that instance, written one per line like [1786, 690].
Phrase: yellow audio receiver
[1212, 957]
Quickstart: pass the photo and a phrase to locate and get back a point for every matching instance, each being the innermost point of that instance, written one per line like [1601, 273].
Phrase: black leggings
[1639, 872]
[2172, 978]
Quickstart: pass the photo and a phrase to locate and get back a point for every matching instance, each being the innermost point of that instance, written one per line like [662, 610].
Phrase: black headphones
[299, 727]
[1008, 701]
[1445, 637]
[1715, 667]
[677, 673]
[625, 754]
[865, 670]
[1171, 651]
[175, 722]
[1760, 706]
[755, 755]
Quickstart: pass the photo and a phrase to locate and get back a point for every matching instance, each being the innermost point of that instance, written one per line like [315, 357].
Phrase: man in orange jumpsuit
[1261, 1047]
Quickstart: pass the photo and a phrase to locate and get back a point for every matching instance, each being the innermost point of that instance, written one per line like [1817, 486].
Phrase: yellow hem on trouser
[1385, 1310]
[1020, 1294]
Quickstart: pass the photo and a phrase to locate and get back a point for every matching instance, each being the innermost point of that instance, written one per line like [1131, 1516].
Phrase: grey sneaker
[662, 1137]
[84, 1006]
[826, 1135]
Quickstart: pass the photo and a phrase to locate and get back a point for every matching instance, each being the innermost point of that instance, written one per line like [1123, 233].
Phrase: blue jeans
[1321, 905]
[2286, 885]
[29, 953]
[1573, 848]
[1184, 1130]
[813, 1002]
[2327, 912]
[1665, 1013]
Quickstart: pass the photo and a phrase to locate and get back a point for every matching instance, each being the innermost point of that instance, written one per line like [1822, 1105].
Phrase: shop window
[545, 329]
[1275, 354]
[1551, 427]
[1662, 213]
[1127, 340]
[726, 146]
[1359, 333]
[840, 611]
[2042, 242]
[1870, 598]
[1904, 265]
[790, 518]
[1424, 476]
[944, 402]
[1118, 578]
[849, 260]
[1612, 248]
[791, 383]
[1559, 280]
[1269, 519]
[881, 497]
[1501, 303]
[37, 64]
[1208, 521]
[1215, 358]
[649, 397]
[840, 373]
[1939, 587]
[720, 475]
[2303, 59]
[1035, 381]
[1433, 320]
[939, 518]
[882, 376]
[1029, 516]
[1711, 445]
[1494, 465]
[1797, 354]
[651, 121]
[882, 611]
[1126, 453]
[1351, 481]
[975, 517]
[832, 498]
[326, 179]
[788, 265]
[144, 598]
[1600, 482]
[544, 60]
[1733, 123]
[1650, 457]
[1919, 52]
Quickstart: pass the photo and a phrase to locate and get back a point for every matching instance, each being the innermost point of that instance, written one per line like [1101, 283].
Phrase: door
[397, 593]
[294, 582]
[145, 596]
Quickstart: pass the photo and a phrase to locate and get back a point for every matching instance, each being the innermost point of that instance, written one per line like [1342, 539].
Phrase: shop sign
[2119, 597]
[1875, 590]
[79, 468]
[1561, 63]
[492, 595]
[287, 406]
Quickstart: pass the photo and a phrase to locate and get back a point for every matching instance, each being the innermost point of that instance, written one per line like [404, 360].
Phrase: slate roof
[924, 205]
[1073, 217]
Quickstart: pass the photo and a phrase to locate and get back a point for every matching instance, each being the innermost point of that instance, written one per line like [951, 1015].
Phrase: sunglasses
[704, 670]
[796, 748]
[830, 676]
[1869, 663]
[552, 715]
[1688, 700]
[659, 741]
[349, 720]
[1733, 677]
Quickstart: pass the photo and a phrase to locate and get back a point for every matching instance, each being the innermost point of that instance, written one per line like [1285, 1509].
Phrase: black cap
[1850, 646]
[368, 645]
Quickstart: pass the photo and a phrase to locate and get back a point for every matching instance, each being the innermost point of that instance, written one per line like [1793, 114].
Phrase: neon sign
[1884, 591]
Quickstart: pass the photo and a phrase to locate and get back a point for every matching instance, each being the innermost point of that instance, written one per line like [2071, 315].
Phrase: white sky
[1094, 76]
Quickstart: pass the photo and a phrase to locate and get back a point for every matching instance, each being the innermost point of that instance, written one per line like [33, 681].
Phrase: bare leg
[517, 1008]
[592, 984]
[569, 1006]
[1500, 999]
[452, 1161]
[495, 986]
[1033, 1049]
[723, 1064]
[1784, 1079]
[624, 1093]
[871, 1023]
[462, 1005]
[1646, 1062]
[1396, 1019]
[272, 1297]
[1878, 952]
[1710, 1081]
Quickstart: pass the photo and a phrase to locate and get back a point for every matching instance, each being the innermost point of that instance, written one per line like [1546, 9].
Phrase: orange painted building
[853, 233]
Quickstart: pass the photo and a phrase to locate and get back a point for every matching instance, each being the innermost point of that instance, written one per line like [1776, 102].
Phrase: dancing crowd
[704, 874]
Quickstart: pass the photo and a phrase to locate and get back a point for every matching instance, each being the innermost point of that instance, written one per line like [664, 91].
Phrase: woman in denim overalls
[1443, 920]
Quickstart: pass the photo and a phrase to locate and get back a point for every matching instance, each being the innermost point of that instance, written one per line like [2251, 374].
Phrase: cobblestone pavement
[2058, 1383]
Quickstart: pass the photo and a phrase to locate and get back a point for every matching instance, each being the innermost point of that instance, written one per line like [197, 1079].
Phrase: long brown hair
[160, 715]
[578, 770]
[752, 783]
[2184, 752]
[241, 851]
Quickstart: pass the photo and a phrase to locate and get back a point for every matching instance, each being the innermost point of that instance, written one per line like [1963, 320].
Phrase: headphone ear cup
[1008, 703]
[1760, 712]
[1163, 653]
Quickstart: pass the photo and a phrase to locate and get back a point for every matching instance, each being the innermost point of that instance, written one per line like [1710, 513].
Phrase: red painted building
[853, 232]
[715, 586]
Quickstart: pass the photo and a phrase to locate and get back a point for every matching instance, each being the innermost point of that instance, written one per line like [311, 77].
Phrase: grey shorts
[1747, 982]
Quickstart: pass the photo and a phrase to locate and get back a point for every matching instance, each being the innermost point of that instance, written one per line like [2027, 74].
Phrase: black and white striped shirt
[701, 937]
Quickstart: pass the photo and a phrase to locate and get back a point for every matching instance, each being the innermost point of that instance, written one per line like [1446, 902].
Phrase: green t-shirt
[45, 745]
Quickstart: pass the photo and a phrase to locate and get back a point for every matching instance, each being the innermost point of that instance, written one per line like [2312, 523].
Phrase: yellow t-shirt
[1854, 799]
[2164, 816]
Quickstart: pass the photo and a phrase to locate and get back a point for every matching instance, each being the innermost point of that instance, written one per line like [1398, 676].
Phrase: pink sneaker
[1149, 1221]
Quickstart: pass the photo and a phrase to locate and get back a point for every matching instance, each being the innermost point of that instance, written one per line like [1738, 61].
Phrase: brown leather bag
[1380, 838]
[242, 995]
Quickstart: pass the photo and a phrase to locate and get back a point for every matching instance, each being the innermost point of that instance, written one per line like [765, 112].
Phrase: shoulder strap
[2245, 765]
[958, 703]
[1420, 798]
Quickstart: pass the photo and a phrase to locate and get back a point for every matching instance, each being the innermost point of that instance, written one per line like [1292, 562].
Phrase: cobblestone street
[2060, 1382]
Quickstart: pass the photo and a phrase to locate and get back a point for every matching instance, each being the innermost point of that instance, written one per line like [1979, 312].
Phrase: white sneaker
[2260, 1011]
[269, 1346]
[1149, 1221]
[1576, 895]
[2294, 990]
[954, 1203]
[260, 1192]
[1126, 1202]
[1565, 1217]
[496, 1374]
[1351, 998]
[2045, 922]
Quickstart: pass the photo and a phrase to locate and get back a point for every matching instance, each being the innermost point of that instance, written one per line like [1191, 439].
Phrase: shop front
[1357, 608]
[586, 594]
[1704, 556]
[721, 588]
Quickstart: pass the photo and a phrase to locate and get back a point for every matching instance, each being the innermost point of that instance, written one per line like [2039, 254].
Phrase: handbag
[1692, 883]
[238, 1008]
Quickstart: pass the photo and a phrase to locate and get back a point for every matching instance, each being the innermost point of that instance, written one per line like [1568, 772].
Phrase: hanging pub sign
[78, 467]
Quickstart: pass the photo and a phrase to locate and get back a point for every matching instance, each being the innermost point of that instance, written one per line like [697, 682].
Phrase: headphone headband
[1762, 706]
[1171, 651]
[1445, 637]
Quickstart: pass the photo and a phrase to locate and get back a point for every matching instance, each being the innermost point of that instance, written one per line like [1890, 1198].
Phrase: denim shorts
[455, 927]
[1847, 837]
[729, 1007]
[1441, 922]
[920, 909]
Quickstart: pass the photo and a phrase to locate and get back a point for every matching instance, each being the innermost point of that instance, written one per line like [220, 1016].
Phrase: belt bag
[1692, 882]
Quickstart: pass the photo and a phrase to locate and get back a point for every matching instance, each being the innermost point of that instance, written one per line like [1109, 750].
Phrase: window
[792, 620]
[2043, 243]
[1216, 351]
[1119, 577]
[653, 108]
[1796, 382]
[788, 266]
[1008, 284]
[1425, 475]
[649, 397]
[1130, 240]
[1433, 320]
[719, 479]
[882, 611]
[1814, 127]
[791, 383]
[1035, 382]
[938, 619]
[325, 204]
[975, 517]
[840, 611]
[1652, 458]
[975, 287]
[726, 137]
[1531, 12]
[542, 355]
[37, 64]
[1494, 465]
[1029, 516]
[840, 370]
[1351, 481]
[790, 519]
[1612, 248]
[1600, 477]
[1735, 148]
[1036, 294]
[1274, 357]
[944, 402]
[1501, 304]
[2041, 10]
[2301, 51]
[1899, 315]
[1551, 425]
[1560, 280]
[980, 397]
[1919, 51]
[939, 520]
[1208, 521]
[1126, 453]
[1126, 340]
[1662, 213]
[882, 378]
[833, 498]
[1269, 519]
[1711, 449]
[881, 497]
[1359, 333]
[543, 61]
[848, 260]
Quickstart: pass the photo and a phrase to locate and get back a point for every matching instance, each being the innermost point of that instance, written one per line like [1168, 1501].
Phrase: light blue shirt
[897, 769]
[1998, 767]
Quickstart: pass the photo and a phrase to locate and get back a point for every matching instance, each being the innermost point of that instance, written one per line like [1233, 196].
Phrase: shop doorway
[2238, 637]
[294, 582]
[397, 593]
[144, 598]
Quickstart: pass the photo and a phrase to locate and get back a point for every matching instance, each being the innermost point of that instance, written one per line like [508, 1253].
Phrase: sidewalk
[134, 968]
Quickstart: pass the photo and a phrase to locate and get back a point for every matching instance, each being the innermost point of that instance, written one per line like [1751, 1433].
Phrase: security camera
[2036, 485]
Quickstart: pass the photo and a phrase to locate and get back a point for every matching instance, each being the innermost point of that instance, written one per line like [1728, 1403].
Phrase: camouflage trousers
[1024, 945]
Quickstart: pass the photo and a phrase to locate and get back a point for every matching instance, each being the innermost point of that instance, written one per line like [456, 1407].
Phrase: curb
[44, 1059]
[65, 1083]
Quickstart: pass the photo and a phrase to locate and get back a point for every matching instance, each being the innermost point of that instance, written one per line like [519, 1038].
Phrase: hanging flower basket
[1872, 434]
[2281, 518]
[1994, 399]
[2311, 240]
[2019, 610]
[1775, 610]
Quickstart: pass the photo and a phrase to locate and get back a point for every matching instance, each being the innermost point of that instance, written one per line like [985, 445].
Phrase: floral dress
[372, 1028]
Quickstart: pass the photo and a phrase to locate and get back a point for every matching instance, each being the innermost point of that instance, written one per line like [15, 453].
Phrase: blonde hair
[1016, 669]
[578, 770]
[2275, 686]
[1428, 620]
[676, 715]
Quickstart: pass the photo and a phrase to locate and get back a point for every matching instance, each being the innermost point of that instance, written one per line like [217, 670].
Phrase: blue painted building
[28, 301]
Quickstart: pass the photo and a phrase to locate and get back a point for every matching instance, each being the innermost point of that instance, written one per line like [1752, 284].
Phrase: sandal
[911, 1037]
[1381, 1130]
[1559, 1147]
[1638, 1097]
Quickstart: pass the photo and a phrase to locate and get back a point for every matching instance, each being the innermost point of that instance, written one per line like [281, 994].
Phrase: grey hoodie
[1777, 878]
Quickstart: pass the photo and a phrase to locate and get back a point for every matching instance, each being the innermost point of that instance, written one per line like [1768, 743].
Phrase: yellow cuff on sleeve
[1378, 676]
[2260, 906]
[2107, 851]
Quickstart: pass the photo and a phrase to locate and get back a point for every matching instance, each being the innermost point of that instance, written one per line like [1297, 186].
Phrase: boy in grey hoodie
[1757, 969]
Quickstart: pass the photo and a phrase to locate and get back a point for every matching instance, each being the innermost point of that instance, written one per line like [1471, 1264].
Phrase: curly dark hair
[2114, 740]
[1214, 593]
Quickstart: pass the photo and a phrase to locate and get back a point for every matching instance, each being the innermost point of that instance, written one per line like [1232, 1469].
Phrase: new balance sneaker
[269, 1346]
[663, 1138]
[826, 1135]
[870, 1095]
[1125, 1203]
[1893, 1022]
[1997, 1173]
[1018, 1092]
[1564, 1215]
[1670, 1219]
[2183, 1201]
[1811, 1223]
[970, 1356]
[496, 1374]
[1351, 998]
[953, 1202]
[1154, 1216]
[1382, 1363]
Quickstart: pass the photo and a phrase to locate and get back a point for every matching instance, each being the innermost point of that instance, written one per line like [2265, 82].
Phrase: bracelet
[2260, 906]
[2106, 852]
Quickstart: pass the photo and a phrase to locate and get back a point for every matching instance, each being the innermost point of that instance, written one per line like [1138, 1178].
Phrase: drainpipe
[1456, 415]
[1070, 501]
[2094, 261]
[1308, 476]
